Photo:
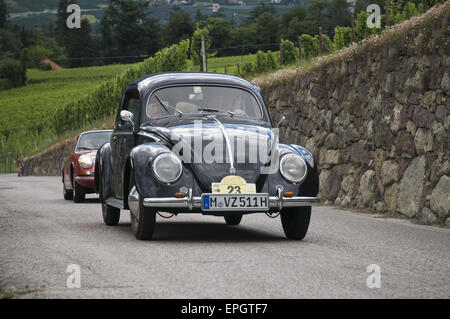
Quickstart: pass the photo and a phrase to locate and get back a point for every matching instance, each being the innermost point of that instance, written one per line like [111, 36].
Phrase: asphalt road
[196, 256]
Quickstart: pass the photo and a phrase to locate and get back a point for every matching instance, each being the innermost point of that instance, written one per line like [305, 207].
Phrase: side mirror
[127, 116]
[282, 119]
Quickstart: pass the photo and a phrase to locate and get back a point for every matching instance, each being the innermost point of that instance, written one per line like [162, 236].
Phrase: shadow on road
[94, 200]
[204, 232]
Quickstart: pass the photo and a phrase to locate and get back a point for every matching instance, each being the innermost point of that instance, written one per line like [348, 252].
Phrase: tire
[68, 194]
[111, 215]
[79, 194]
[143, 225]
[295, 222]
[233, 220]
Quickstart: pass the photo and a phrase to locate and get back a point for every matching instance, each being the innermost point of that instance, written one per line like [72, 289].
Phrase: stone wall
[376, 116]
[49, 162]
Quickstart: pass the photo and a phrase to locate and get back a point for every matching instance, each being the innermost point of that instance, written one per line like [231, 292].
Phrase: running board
[114, 202]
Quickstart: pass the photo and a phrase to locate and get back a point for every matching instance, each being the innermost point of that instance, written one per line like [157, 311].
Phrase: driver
[237, 106]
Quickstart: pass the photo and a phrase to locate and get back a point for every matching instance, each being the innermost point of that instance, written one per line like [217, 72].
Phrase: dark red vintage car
[78, 170]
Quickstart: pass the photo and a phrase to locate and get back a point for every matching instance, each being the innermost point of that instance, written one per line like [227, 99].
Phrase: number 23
[234, 189]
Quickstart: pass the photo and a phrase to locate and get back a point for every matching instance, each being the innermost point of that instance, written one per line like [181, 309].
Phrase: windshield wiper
[216, 111]
[167, 105]
[209, 110]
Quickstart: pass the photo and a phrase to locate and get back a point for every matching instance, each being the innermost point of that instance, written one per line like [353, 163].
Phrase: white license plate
[229, 202]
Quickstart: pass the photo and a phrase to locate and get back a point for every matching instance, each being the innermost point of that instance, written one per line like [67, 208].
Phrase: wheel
[111, 215]
[143, 225]
[68, 194]
[233, 219]
[79, 193]
[295, 221]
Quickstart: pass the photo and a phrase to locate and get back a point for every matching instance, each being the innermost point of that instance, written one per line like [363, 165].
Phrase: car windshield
[92, 141]
[182, 100]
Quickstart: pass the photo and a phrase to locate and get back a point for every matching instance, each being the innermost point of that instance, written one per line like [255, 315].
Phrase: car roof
[153, 81]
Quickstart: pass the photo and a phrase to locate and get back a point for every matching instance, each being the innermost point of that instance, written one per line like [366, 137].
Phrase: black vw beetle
[201, 143]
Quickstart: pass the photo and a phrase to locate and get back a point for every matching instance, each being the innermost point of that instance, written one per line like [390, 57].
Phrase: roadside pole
[300, 56]
[203, 52]
[281, 54]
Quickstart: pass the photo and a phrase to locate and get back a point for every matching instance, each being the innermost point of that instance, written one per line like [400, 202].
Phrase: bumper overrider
[191, 202]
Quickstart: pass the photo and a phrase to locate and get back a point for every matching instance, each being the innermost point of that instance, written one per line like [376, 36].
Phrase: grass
[9, 295]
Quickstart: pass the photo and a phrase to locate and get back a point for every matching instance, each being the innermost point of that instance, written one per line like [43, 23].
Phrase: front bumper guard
[195, 202]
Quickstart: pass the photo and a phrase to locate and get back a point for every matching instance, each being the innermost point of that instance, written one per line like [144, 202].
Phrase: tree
[267, 29]
[260, 9]
[62, 30]
[290, 52]
[362, 31]
[401, 11]
[13, 71]
[337, 15]
[80, 45]
[310, 45]
[297, 12]
[243, 39]
[180, 27]
[219, 33]
[196, 45]
[199, 16]
[32, 57]
[128, 31]
[4, 16]
[342, 37]
[9, 46]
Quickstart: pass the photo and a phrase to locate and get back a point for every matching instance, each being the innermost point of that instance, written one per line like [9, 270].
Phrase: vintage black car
[201, 143]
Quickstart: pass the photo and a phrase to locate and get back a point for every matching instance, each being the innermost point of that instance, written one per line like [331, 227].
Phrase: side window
[74, 146]
[131, 103]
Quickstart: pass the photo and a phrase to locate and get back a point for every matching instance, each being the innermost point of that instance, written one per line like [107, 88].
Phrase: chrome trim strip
[133, 201]
[227, 141]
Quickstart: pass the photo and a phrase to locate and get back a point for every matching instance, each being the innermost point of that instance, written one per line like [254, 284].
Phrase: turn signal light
[289, 194]
[180, 195]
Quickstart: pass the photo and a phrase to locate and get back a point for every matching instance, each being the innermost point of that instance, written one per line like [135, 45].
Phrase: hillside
[15, 6]
[32, 13]
[27, 111]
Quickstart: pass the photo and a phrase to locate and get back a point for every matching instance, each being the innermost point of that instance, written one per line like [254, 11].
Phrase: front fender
[103, 172]
[310, 186]
[141, 158]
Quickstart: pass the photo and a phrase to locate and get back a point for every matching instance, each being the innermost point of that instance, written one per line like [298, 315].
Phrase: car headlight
[293, 168]
[85, 161]
[167, 168]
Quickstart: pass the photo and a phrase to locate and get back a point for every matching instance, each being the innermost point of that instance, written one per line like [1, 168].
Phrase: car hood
[90, 153]
[203, 147]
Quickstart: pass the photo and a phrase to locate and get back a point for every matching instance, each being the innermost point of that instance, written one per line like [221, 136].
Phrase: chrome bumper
[84, 178]
[195, 202]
